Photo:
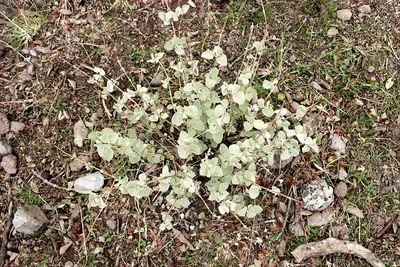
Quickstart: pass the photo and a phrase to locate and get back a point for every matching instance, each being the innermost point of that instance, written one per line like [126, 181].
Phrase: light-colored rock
[17, 126]
[371, 69]
[358, 102]
[5, 149]
[317, 195]
[112, 224]
[80, 133]
[339, 143]
[90, 182]
[292, 58]
[78, 163]
[342, 174]
[344, 14]
[29, 219]
[332, 32]
[340, 189]
[9, 164]
[4, 124]
[321, 218]
[364, 9]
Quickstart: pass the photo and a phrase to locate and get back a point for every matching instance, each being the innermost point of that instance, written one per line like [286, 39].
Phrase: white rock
[5, 149]
[90, 182]
[344, 14]
[4, 124]
[332, 32]
[358, 102]
[339, 143]
[29, 219]
[17, 126]
[80, 133]
[317, 195]
[364, 9]
[9, 164]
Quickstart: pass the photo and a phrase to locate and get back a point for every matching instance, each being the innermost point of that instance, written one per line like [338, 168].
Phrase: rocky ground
[341, 58]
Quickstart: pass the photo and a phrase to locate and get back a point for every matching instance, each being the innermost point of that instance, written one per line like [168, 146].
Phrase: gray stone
[90, 182]
[371, 69]
[317, 195]
[9, 164]
[29, 219]
[5, 149]
[344, 14]
[4, 124]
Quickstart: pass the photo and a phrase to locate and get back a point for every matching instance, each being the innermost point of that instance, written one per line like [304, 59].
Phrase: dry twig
[333, 245]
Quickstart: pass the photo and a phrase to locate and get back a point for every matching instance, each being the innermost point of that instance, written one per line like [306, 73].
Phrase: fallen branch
[332, 245]
[4, 237]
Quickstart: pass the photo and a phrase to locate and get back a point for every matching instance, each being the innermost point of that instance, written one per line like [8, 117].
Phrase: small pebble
[341, 190]
[364, 9]
[344, 14]
[9, 164]
[17, 126]
[292, 58]
[90, 182]
[371, 69]
[332, 32]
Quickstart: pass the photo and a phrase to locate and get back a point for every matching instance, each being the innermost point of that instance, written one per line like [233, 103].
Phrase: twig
[289, 206]
[50, 183]
[333, 245]
[4, 237]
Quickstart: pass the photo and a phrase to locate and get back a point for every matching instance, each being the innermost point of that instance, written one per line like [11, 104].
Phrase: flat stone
[340, 189]
[5, 149]
[317, 195]
[364, 9]
[78, 163]
[344, 14]
[90, 182]
[29, 219]
[332, 32]
[157, 80]
[4, 124]
[17, 126]
[9, 164]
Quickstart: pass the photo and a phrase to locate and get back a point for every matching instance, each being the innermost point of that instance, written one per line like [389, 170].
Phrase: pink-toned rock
[4, 124]
[17, 126]
[364, 9]
[9, 164]
[344, 14]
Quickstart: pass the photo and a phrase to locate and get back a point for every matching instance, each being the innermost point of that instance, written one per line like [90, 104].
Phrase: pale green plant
[199, 124]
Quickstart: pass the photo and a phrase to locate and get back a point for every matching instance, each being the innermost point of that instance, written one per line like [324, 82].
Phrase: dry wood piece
[333, 245]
